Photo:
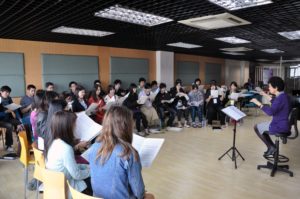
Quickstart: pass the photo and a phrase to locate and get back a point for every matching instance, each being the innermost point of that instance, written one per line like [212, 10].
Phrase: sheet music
[41, 144]
[13, 106]
[91, 109]
[147, 148]
[168, 101]
[214, 93]
[86, 129]
[142, 99]
[122, 99]
[86, 153]
[234, 113]
[234, 96]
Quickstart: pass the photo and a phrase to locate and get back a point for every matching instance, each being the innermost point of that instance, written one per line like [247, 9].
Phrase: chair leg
[37, 189]
[25, 181]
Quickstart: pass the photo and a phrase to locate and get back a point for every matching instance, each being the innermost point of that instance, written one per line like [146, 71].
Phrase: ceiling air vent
[224, 20]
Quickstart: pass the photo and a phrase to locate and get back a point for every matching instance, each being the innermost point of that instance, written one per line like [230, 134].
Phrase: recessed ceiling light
[233, 53]
[120, 13]
[292, 35]
[210, 22]
[233, 40]
[272, 50]
[184, 45]
[239, 4]
[80, 31]
[237, 49]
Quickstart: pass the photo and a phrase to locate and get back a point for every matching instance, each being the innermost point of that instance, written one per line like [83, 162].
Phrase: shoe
[270, 151]
[147, 132]
[199, 125]
[155, 131]
[186, 125]
[141, 134]
[194, 125]
[31, 186]
[179, 125]
[10, 149]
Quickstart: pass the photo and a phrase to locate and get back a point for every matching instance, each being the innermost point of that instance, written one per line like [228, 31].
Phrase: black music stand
[236, 115]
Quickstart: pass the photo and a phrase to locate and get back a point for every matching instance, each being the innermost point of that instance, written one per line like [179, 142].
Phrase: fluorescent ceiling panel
[236, 49]
[239, 4]
[272, 50]
[233, 53]
[120, 13]
[184, 45]
[80, 31]
[292, 35]
[233, 40]
[218, 21]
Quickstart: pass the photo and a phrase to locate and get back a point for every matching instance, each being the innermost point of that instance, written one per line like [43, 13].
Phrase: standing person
[114, 164]
[279, 110]
[131, 103]
[196, 101]
[163, 104]
[180, 103]
[142, 82]
[95, 97]
[79, 104]
[214, 106]
[72, 87]
[97, 82]
[59, 152]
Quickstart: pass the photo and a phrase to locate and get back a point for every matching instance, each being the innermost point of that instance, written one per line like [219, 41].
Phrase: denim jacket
[117, 177]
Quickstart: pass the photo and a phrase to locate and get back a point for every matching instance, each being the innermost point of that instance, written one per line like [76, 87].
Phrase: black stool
[274, 161]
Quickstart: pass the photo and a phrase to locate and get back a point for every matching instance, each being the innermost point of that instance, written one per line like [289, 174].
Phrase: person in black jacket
[131, 103]
[180, 102]
[79, 104]
[163, 103]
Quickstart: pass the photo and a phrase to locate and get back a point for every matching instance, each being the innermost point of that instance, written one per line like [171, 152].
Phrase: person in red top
[96, 98]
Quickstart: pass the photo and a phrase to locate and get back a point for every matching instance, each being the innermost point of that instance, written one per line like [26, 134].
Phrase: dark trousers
[214, 113]
[197, 111]
[161, 113]
[139, 116]
[184, 113]
[9, 125]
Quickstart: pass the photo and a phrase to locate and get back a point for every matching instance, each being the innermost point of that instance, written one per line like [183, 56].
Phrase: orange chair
[25, 158]
[39, 162]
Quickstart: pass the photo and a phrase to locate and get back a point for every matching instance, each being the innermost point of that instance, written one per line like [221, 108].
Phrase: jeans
[161, 114]
[197, 111]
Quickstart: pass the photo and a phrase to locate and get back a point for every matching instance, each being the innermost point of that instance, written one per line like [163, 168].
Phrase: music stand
[236, 115]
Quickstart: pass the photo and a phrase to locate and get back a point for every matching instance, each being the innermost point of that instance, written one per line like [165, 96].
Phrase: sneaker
[147, 132]
[199, 125]
[186, 125]
[10, 149]
[31, 186]
[155, 131]
[141, 134]
[194, 125]
[179, 125]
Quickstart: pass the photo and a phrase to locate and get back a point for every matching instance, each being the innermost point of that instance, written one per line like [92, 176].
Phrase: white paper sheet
[91, 109]
[214, 93]
[142, 99]
[41, 144]
[147, 148]
[86, 129]
[234, 113]
[234, 96]
[13, 106]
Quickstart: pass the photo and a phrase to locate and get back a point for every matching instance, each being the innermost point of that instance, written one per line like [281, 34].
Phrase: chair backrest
[78, 195]
[54, 184]
[39, 162]
[25, 156]
[293, 118]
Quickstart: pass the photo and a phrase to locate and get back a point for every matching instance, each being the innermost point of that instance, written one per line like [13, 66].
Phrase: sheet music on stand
[233, 113]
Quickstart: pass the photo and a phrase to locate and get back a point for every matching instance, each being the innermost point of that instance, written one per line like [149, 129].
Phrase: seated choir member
[180, 103]
[279, 110]
[214, 106]
[115, 165]
[72, 87]
[162, 106]
[118, 90]
[79, 104]
[26, 103]
[196, 101]
[59, 152]
[95, 97]
[131, 103]
[147, 109]
[111, 96]
[228, 100]
[49, 86]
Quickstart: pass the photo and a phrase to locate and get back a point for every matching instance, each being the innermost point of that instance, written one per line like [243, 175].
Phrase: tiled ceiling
[34, 20]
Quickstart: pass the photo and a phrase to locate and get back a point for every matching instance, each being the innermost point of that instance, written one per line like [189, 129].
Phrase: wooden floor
[187, 167]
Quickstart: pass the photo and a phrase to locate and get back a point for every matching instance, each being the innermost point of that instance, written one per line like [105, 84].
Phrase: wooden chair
[54, 184]
[78, 195]
[39, 165]
[25, 158]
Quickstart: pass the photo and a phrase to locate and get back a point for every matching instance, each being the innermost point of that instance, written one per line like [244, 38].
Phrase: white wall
[236, 70]
[165, 67]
